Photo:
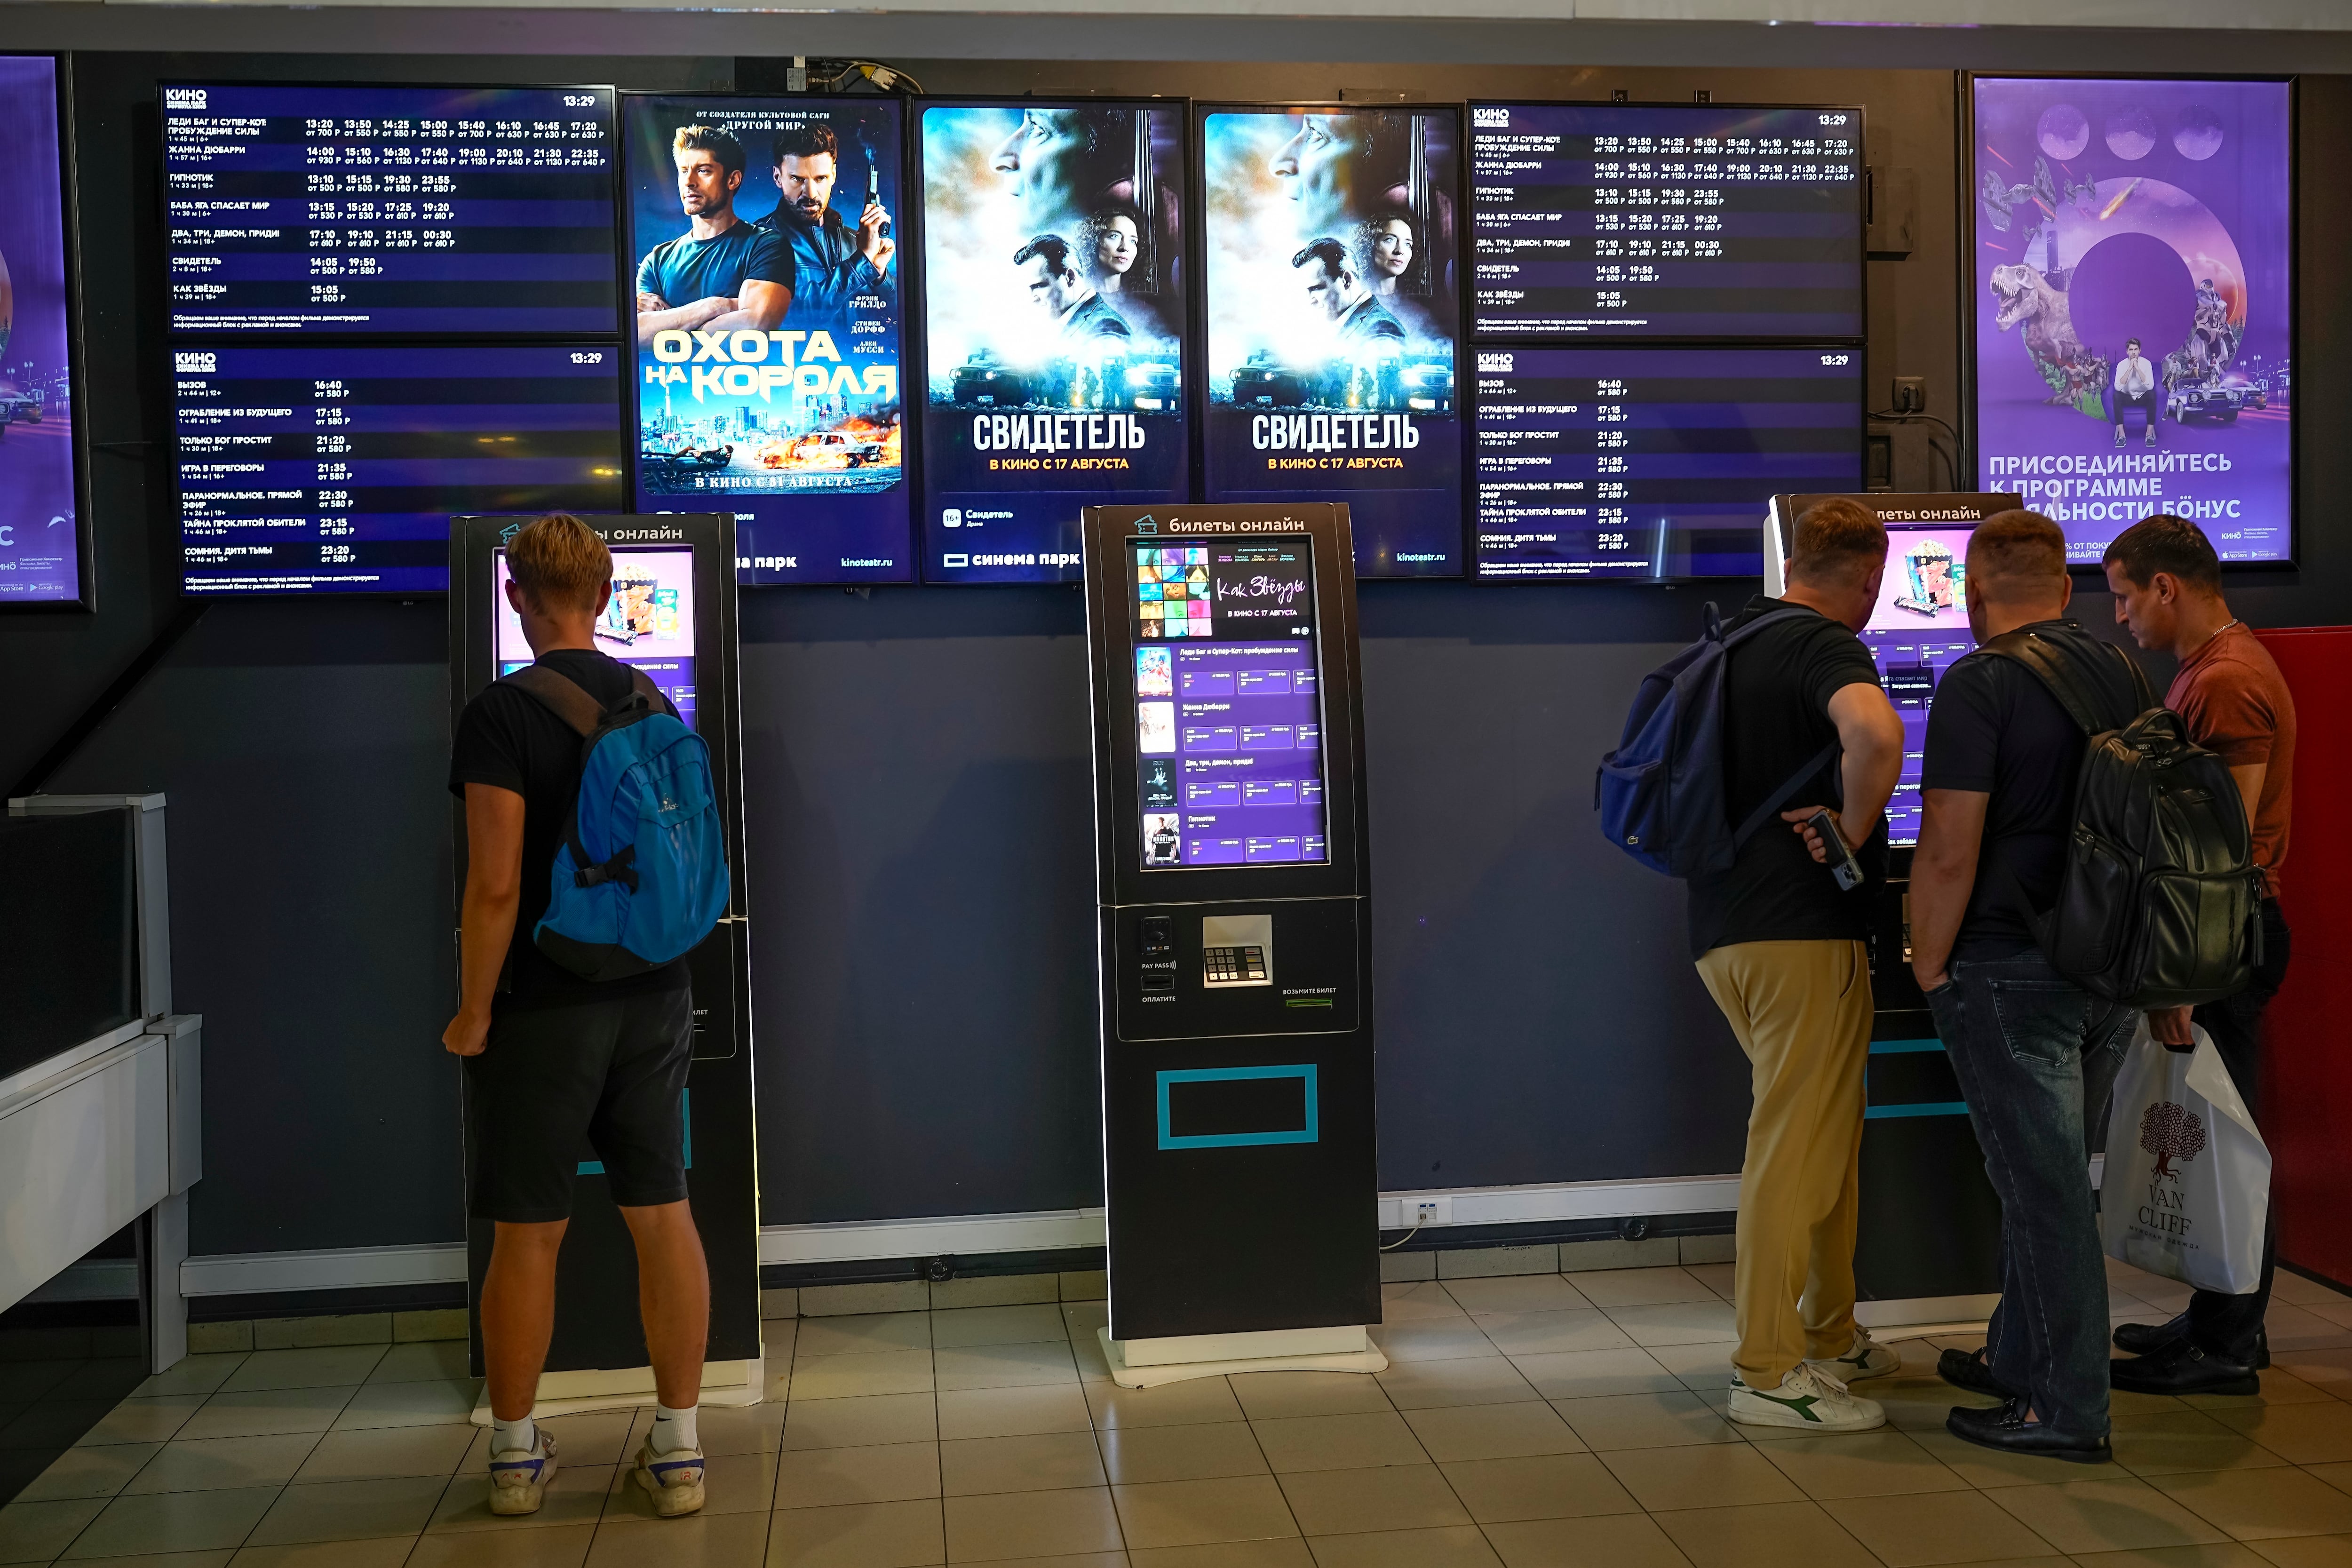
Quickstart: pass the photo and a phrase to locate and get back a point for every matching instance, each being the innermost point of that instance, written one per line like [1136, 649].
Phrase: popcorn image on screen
[1933, 580]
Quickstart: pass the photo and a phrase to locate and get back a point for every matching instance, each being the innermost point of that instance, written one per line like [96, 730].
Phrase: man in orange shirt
[2166, 581]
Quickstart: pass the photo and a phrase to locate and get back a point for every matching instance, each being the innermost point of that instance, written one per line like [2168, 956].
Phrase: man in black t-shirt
[554, 1062]
[1998, 790]
[1781, 949]
[723, 273]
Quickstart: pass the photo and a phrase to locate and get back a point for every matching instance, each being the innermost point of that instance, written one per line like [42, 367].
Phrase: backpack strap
[1779, 797]
[2089, 695]
[560, 695]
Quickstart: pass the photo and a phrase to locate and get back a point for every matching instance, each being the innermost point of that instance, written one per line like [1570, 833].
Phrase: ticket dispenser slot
[1236, 950]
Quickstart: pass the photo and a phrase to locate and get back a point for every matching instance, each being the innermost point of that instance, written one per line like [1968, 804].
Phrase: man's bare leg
[519, 1312]
[673, 1297]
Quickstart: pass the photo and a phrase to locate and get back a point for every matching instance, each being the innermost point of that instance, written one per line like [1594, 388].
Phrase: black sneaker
[1972, 1371]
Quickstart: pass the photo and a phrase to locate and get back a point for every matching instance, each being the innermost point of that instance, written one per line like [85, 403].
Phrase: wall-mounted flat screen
[1654, 463]
[1686, 220]
[648, 622]
[41, 551]
[336, 470]
[440, 210]
[2133, 284]
[1228, 704]
[1333, 298]
[764, 247]
[1055, 328]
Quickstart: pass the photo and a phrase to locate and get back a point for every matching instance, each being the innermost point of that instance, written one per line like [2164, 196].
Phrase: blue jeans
[2021, 1036]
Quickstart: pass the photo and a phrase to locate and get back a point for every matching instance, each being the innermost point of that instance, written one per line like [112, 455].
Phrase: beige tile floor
[1527, 1421]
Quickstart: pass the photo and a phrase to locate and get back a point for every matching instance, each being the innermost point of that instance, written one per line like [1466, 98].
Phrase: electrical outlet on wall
[1910, 395]
[1429, 1211]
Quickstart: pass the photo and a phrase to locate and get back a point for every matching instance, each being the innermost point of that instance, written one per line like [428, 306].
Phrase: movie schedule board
[1651, 462]
[1689, 220]
[42, 559]
[1228, 703]
[2132, 303]
[1333, 302]
[336, 470]
[766, 274]
[425, 210]
[1054, 324]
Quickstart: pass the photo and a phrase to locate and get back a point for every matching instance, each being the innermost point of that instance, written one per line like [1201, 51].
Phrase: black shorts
[558, 1086]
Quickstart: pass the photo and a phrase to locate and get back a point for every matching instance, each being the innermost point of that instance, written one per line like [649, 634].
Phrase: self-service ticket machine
[1928, 1243]
[673, 616]
[1236, 948]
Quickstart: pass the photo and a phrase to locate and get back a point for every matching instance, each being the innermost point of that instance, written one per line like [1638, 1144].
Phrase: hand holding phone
[1835, 852]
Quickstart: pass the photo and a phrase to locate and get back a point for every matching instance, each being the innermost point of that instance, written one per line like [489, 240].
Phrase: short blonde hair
[1838, 541]
[560, 563]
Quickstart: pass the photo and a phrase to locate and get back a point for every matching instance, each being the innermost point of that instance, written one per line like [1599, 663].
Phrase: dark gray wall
[916, 766]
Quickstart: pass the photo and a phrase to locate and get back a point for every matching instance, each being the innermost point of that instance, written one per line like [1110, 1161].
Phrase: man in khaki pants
[1781, 949]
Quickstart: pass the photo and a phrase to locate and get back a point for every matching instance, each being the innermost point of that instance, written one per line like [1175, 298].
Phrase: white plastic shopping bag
[2188, 1182]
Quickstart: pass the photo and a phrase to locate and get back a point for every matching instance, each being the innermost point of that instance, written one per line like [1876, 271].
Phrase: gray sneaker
[519, 1478]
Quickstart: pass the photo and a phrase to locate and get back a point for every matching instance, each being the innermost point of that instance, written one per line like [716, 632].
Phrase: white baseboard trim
[326, 1269]
[855, 1241]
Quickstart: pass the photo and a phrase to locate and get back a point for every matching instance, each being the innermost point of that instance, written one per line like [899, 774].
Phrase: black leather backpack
[2160, 902]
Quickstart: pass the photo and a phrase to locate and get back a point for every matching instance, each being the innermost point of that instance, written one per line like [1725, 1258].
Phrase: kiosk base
[1150, 1363]
[726, 1384]
[1924, 1314]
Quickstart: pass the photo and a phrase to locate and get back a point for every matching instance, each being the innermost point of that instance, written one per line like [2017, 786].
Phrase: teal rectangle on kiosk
[685, 1113]
[1305, 1071]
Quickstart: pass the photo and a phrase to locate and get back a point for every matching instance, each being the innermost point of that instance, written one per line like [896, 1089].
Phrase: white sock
[507, 1436]
[673, 1429]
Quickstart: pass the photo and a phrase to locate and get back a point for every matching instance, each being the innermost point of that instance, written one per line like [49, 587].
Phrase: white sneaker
[519, 1477]
[1809, 1399]
[1868, 1358]
[675, 1479]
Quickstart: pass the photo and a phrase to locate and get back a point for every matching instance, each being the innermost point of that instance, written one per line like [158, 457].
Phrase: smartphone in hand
[1841, 863]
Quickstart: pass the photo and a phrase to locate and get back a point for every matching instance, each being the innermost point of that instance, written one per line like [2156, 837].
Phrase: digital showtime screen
[40, 535]
[1654, 463]
[1665, 221]
[1054, 324]
[766, 262]
[1228, 707]
[336, 470]
[440, 210]
[1333, 253]
[2133, 280]
[647, 624]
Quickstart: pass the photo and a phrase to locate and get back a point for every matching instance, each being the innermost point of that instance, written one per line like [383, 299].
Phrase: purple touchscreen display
[1228, 715]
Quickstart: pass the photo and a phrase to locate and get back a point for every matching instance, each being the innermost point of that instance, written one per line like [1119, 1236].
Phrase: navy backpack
[641, 874]
[1660, 793]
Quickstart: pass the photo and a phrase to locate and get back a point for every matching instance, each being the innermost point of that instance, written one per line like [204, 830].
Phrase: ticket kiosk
[1234, 941]
[1927, 1247]
[673, 616]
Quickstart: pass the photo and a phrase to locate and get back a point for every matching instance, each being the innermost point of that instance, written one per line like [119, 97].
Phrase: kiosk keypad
[1232, 966]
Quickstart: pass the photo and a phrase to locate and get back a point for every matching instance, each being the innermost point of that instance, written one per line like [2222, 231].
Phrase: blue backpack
[641, 875]
[1661, 792]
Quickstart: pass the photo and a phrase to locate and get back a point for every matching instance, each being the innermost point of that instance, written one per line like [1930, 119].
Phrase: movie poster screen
[764, 253]
[2134, 292]
[1333, 293]
[40, 540]
[1054, 325]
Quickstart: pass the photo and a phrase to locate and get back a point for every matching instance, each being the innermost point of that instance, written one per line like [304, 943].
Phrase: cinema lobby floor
[1527, 1419]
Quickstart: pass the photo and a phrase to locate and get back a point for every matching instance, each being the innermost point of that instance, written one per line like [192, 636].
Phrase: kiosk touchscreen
[1919, 1150]
[672, 614]
[1237, 1047]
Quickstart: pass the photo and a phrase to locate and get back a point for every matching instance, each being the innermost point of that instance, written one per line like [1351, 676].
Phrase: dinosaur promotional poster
[39, 541]
[2133, 289]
